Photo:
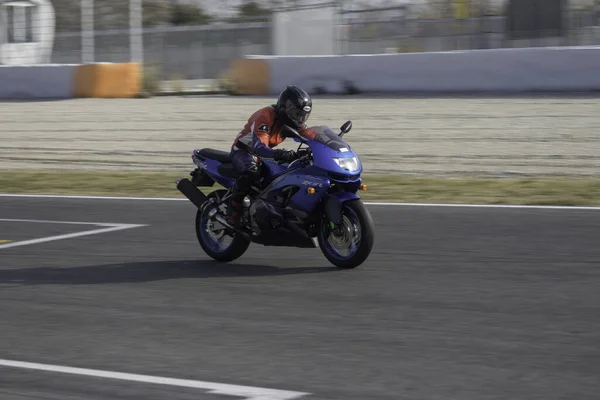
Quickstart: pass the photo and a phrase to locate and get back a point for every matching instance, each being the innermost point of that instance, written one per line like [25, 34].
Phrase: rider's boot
[235, 206]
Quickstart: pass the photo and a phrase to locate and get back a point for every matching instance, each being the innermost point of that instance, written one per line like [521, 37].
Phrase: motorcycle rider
[261, 133]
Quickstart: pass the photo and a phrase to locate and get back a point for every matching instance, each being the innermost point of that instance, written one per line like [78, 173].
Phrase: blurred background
[197, 39]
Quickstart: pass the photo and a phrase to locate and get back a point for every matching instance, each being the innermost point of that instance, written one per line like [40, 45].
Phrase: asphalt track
[454, 303]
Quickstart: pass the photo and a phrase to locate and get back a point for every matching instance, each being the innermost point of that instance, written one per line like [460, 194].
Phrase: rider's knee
[252, 172]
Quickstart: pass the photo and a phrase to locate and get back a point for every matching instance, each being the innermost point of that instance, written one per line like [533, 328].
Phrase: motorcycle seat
[217, 155]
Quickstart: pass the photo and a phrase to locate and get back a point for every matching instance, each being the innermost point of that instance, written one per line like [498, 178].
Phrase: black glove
[302, 152]
[284, 155]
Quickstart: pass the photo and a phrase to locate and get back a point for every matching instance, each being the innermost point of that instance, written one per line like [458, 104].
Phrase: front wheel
[350, 244]
[213, 237]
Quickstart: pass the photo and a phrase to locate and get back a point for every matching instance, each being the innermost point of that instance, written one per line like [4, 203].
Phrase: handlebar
[305, 154]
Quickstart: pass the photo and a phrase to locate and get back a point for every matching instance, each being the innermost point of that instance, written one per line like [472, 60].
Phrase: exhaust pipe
[190, 191]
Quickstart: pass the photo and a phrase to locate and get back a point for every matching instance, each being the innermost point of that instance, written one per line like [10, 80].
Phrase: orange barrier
[108, 80]
[250, 76]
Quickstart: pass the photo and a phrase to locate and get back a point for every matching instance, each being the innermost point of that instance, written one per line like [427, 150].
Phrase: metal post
[135, 31]
[87, 31]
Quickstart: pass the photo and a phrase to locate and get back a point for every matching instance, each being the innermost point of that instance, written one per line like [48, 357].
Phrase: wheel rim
[343, 243]
[214, 234]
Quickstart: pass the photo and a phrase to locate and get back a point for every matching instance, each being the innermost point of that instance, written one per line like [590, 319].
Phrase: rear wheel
[350, 244]
[214, 239]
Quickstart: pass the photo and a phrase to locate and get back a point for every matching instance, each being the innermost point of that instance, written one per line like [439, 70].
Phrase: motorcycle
[311, 202]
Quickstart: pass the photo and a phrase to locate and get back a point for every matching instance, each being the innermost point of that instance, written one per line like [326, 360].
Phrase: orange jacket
[262, 132]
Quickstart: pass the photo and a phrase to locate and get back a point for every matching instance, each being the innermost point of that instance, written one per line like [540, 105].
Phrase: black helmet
[294, 106]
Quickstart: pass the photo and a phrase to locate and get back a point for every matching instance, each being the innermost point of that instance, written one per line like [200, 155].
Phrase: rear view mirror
[345, 128]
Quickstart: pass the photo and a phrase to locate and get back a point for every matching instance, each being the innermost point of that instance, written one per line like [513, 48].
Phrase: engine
[265, 215]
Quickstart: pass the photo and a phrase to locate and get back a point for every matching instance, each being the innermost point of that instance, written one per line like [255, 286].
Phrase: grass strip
[527, 191]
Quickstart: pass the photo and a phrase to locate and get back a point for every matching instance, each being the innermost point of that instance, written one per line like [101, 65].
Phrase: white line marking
[43, 221]
[107, 228]
[540, 207]
[59, 196]
[373, 203]
[246, 392]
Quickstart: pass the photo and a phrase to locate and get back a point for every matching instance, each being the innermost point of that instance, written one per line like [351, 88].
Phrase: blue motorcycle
[311, 202]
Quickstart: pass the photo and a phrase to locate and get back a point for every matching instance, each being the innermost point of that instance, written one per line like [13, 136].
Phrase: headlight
[349, 164]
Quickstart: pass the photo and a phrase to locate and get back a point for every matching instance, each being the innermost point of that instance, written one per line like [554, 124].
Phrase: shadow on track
[140, 272]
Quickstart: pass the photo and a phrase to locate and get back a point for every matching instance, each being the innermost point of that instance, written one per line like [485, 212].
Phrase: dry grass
[538, 191]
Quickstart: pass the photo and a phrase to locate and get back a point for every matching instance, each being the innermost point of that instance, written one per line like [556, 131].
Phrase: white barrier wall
[36, 81]
[498, 70]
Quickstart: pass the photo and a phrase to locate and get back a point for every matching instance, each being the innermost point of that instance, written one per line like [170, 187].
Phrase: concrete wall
[36, 81]
[69, 81]
[500, 70]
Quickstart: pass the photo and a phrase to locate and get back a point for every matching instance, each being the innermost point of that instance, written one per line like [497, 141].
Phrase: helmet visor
[298, 116]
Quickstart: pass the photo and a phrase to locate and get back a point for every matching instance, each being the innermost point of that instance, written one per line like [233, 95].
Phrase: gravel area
[439, 136]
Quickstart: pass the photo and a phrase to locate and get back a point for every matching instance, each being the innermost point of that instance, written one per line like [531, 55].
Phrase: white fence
[204, 52]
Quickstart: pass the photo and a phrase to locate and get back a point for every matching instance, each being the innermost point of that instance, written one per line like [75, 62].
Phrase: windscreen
[330, 139]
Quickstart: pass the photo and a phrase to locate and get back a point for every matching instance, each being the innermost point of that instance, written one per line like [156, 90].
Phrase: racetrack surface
[426, 136]
[454, 303]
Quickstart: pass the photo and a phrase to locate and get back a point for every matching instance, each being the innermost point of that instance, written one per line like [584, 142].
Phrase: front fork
[334, 203]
